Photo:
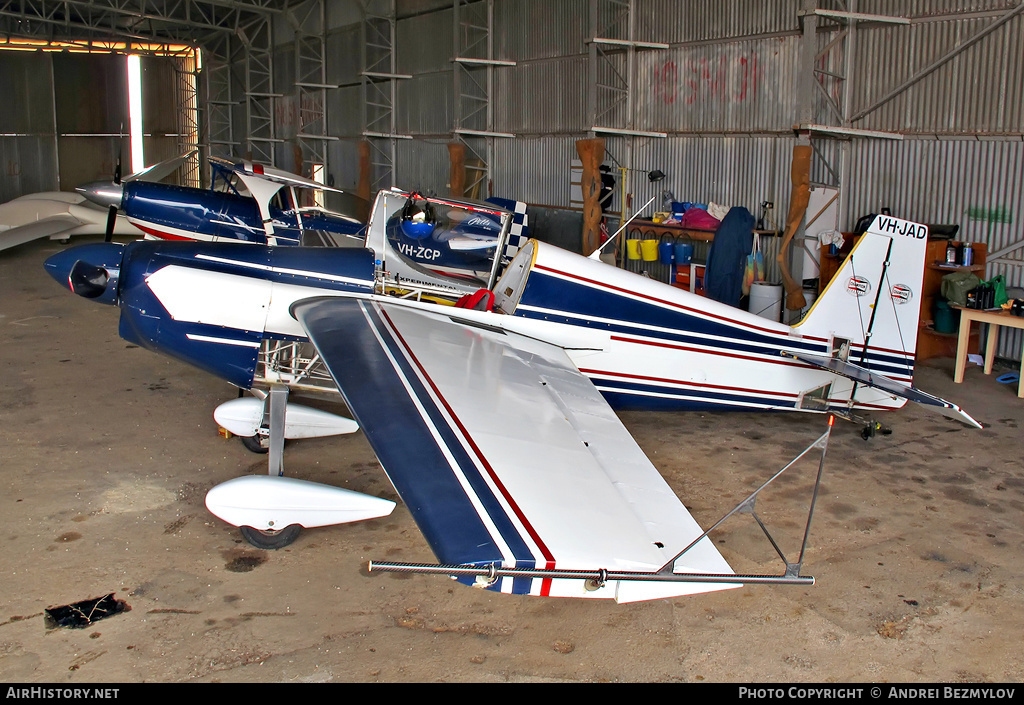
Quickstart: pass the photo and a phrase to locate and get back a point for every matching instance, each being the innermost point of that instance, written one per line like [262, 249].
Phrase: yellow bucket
[649, 250]
[633, 249]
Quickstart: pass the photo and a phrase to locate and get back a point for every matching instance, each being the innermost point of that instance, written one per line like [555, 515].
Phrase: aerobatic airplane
[493, 417]
[246, 202]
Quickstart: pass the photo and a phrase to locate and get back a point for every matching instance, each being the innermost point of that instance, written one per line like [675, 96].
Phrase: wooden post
[591, 153]
[800, 175]
[363, 186]
[457, 156]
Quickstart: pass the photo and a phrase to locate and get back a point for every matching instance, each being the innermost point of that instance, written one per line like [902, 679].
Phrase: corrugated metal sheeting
[977, 184]
[738, 86]
[65, 111]
[985, 83]
[727, 93]
[672, 21]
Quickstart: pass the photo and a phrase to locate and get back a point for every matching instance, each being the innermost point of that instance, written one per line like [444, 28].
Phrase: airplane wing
[268, 173]
[504, 453]
[53, 227]
[868, 378]
[160, 170]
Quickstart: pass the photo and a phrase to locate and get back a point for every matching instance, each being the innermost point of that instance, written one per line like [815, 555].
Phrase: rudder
[874, 300]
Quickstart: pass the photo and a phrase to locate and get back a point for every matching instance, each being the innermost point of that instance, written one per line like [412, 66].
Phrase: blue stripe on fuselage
[571, 303]
[576, 299]
[318, 267]
[638, 394]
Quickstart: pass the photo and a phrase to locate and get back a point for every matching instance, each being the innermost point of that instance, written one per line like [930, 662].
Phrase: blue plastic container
[666, 253]
[684, 252]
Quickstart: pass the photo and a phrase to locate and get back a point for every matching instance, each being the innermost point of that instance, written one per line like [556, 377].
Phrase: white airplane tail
[872, 306]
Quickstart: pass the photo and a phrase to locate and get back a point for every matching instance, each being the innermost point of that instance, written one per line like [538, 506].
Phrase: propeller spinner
[110, 194]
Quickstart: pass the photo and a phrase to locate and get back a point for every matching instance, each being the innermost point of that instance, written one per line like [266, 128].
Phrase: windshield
[446, 242]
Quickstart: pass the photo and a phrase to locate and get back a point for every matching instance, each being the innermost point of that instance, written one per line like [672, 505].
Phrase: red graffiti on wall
[666, 82]
[703, 80]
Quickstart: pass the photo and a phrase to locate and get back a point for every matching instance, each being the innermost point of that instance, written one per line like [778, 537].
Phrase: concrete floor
[108, 450]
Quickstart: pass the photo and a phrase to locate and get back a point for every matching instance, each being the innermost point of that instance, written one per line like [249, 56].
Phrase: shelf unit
[931, 343]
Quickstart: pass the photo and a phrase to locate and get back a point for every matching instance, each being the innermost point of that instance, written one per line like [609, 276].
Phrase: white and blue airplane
[490, 404]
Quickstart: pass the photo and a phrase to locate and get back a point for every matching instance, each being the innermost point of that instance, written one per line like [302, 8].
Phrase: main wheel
[256, 444]
[271, 540]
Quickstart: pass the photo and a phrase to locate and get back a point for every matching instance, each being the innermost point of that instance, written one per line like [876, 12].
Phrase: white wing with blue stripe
[504, 453]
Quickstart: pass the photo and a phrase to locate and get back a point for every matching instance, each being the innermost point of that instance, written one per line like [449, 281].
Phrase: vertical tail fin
[874, 300]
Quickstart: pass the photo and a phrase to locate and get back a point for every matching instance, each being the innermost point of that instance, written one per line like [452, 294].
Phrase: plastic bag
[998, 284]
[954, 287]
[699, 219]
[753, 271]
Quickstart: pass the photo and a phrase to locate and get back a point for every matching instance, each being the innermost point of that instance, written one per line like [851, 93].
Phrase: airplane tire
[271, 540]
[255, 444]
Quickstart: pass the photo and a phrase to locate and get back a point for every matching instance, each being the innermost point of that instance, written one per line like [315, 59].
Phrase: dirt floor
[107, 451]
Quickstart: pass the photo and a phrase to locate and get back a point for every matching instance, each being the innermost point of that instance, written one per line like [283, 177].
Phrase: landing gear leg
[275, 409]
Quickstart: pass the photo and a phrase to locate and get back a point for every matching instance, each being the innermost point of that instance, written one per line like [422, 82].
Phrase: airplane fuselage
[644, 344]
[167, 212]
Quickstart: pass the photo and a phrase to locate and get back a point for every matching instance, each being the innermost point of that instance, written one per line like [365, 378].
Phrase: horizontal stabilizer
[868, 378]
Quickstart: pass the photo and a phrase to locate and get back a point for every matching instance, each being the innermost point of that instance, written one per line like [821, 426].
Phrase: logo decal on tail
[902, 294]
[858, 286]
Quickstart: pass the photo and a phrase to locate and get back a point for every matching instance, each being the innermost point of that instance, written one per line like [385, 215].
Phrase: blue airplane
[246, 202]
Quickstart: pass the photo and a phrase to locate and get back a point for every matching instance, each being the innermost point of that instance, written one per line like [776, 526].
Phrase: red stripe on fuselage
[698, 312]
[717, 353]
[161, 234]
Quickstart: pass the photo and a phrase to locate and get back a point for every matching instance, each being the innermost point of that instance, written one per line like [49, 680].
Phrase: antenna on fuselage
[653, 177]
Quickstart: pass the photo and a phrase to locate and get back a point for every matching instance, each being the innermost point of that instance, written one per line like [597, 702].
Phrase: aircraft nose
[103, 193]
[91, 271]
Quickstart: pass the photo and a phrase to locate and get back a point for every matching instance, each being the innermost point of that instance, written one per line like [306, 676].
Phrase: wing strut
[747, 507]
[488, 574]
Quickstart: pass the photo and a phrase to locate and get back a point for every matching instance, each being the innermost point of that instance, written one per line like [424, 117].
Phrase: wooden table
[994, 319]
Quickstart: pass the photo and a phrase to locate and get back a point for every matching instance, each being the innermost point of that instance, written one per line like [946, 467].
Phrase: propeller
[112, 210]
[110, 193]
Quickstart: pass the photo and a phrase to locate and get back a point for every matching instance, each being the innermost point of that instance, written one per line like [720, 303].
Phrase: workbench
[994, 319]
